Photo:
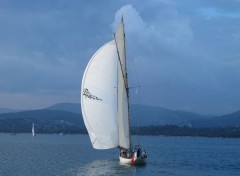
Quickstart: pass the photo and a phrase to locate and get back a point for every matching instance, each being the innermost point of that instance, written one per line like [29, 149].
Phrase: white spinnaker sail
[99, 97]
[123, 113]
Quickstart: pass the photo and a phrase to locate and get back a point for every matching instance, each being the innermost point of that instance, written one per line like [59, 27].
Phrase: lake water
[72, 155]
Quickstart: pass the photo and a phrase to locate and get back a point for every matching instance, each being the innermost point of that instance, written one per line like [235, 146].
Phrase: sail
[123, 113]
[99, 97]
[33, 131]
[120, 42]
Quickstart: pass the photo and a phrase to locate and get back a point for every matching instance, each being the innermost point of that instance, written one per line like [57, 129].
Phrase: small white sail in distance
[33, 130]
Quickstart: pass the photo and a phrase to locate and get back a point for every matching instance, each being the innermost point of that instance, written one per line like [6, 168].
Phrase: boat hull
[128, 161]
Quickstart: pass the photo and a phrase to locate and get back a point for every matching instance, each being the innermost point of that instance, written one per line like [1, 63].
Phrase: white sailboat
[33, 130]
[105, 100]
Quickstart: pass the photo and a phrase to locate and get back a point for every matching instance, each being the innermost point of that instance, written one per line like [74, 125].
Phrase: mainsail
[123, 113]
[104, 95]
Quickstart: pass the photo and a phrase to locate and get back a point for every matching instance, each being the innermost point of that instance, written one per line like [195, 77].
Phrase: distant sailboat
[33, 130]
[105, 100]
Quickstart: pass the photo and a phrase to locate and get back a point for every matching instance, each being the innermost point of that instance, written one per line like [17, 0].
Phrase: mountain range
[68, 117]
[7, 110]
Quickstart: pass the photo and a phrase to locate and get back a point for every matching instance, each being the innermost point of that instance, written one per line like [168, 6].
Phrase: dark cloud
[186, 53]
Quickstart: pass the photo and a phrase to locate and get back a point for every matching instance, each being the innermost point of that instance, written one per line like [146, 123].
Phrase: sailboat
[105, 100]
[33, 130]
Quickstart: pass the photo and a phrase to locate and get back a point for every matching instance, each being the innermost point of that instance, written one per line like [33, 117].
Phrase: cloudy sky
[185, 54]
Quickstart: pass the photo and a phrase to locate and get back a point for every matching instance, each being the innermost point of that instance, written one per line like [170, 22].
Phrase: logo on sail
[87, 94]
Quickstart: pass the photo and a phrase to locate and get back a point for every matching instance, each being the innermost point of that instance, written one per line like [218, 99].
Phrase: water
[72, 155]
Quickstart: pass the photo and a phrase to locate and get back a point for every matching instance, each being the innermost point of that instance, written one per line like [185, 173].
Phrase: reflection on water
[106, 167]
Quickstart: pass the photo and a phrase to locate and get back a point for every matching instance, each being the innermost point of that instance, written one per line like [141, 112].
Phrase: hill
[70, 107]
[67, 117]
[148, 116]
[6, 110]
[47, 121]
[142, 115]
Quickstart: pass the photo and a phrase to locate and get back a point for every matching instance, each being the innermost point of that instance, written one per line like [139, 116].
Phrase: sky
[183, 54]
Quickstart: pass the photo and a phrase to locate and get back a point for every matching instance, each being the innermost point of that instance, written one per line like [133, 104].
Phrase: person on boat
[128, 154]
[136, 147]
[139, 151]
[121, 152]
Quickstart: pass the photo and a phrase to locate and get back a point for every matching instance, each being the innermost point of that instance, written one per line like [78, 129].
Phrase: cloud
[177, 57]
[186, 53]
[173, 31]
[131, 18]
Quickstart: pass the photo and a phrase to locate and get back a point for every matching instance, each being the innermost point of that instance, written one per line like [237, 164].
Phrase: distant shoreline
[167, 130]
[173, 130]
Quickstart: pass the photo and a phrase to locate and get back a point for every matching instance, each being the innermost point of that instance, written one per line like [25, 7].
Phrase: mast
[123, 67]
[127, 89]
